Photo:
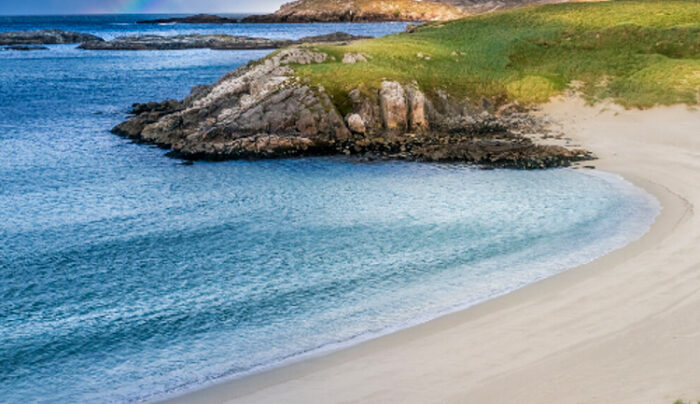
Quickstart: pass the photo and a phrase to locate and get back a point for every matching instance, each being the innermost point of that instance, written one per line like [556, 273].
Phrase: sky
[23, 7]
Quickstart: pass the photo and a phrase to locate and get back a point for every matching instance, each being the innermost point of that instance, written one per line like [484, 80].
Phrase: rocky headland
[386, 10]
[262, 110]
[359, 11]
[203, 41]
[45, 37]
[193, 19]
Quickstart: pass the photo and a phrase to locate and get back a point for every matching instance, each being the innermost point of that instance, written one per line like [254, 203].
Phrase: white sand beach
[622, 329]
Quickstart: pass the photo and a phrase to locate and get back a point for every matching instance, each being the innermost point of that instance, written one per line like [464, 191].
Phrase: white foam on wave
[645, 209]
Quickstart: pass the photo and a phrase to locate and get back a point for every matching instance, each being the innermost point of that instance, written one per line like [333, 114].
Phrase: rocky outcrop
[359, 11]
[25, 48]
[392, 101]
[263, 111]
[387, 10]
[193, 19]
[332, 37]
[207, 41]
[189, 41]
[45, 37]
[257, 111]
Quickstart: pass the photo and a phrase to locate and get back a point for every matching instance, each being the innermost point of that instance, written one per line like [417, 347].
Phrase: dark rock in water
[194, 19]
[165, 106]
[263, 111]
[26, 48]
[334, 37]
[208, 41]
[45, 37]
[190, 41]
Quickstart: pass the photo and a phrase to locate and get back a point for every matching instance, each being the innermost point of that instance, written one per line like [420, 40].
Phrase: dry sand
[622, 329]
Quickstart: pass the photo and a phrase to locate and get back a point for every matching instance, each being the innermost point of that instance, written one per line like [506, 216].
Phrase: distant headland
[193, 19]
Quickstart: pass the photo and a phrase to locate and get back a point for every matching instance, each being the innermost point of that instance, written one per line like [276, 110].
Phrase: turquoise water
[127, 276]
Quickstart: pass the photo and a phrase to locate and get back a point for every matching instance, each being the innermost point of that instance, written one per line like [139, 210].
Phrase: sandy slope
[623, 329]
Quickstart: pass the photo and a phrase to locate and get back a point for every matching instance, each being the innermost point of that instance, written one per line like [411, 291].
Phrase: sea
[128, 276]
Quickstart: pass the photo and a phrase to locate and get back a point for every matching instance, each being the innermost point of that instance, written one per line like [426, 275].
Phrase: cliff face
[360, 11]
[263, 110]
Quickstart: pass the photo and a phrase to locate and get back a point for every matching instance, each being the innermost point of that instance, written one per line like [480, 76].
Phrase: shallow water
[125, 275]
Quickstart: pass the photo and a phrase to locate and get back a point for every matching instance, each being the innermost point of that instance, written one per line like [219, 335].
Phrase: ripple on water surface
[125, 275]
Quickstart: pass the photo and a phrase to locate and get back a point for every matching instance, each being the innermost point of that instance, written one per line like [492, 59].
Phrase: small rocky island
[204, 41]
[194, 19]
[262, 110]
[45, 37]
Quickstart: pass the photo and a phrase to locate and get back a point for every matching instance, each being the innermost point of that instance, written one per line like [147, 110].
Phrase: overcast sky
[19, 7]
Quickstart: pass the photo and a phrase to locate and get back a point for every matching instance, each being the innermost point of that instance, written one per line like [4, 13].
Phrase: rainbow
[127, 6]
[138, 6]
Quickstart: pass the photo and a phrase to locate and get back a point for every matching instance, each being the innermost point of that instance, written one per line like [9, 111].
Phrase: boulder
[355, 123]
[350, 58]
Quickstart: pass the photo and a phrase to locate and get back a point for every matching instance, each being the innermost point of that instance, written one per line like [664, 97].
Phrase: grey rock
[26, 48]
[189, 41]
[392, 100]
[257, 111]
[45, 37]
[351, 58]
[206, 41]
[333, 37]
[417, 119]
[355, 123]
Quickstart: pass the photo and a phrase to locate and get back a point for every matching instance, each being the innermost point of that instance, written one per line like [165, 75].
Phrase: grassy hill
[639, 53]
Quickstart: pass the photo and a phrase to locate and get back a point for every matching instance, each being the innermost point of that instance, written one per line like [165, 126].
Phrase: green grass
[638, 53]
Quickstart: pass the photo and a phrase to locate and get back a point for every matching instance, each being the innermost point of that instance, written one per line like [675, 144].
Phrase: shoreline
[552, 339]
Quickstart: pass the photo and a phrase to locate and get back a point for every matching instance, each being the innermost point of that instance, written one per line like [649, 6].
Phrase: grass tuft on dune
[638, 53]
